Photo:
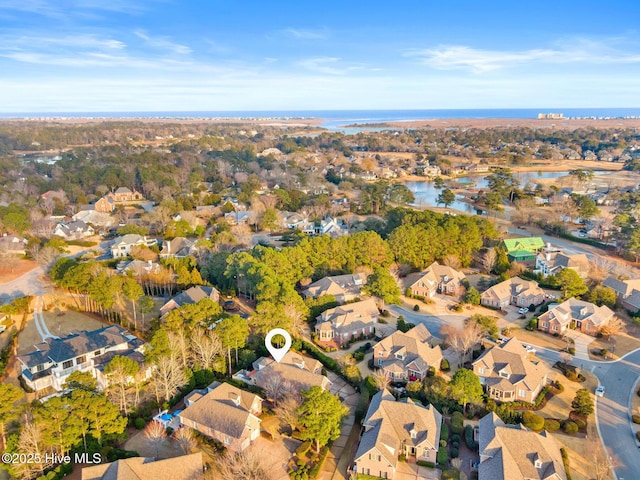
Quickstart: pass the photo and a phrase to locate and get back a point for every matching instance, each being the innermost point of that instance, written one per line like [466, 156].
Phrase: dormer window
[504, 374]
[413, 433]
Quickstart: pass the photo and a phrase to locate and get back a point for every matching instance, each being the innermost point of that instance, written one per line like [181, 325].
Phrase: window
[554, 328]
[380, 361]
[67, 364]
[227, 441]
[522, 393]
[81, 360]
[545, 325]
[480, 370]
[39, 368]
[504, 374]
[96, 353]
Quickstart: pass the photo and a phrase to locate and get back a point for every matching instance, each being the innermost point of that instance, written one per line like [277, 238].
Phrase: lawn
[618, 346]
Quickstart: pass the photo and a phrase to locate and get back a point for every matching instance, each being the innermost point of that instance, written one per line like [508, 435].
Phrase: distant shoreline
[334, 124]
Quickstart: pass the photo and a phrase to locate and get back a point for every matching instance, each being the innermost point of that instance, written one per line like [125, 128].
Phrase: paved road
[432, 322]
[27, 284]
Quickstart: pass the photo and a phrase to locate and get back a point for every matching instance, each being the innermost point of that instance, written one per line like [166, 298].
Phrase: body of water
[336, 119]
[426, 193]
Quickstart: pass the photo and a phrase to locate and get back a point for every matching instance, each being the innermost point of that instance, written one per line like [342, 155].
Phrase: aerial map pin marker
[278, 353]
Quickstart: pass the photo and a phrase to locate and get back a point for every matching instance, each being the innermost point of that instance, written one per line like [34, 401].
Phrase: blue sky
[171, 55]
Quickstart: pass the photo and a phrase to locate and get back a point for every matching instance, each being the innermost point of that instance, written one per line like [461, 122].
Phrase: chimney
[548, 257]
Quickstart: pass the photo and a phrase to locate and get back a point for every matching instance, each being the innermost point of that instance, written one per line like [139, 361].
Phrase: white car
[529, 348]
[600, 391]
[523, 310]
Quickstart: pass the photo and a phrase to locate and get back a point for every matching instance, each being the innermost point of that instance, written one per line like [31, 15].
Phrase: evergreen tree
[320, 414]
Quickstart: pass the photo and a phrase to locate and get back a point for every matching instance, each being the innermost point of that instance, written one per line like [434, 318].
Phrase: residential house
[344, 288]
[513, 452]
[190, 296]
[438, 279]
[345, 322]
[623, 288]
[291, 220]
[13, 244]
[179, 247]
[392, 429]
[52, 361]
[632, 302]
[523, 249]
[95, 218]
[186, 467]
[240, 217]
[74, 230]
[515, 291]
[52, 195]
[125, 195]
[104, 205]
[296, 371]
[508, 375]
[575, 314]
[477, 168]
[138, 268]
[550, 262]
[407, 356]
[224, 413]
[121, 246]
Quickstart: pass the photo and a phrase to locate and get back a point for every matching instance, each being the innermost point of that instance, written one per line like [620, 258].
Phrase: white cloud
[163, 43]
[307, 33]
[574, 50]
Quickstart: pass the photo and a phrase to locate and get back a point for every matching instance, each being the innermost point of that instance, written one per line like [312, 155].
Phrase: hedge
[422, 463]
[457, 422]
[315, 471]
[565, 461]
[468, 438]
[442, 456]
[444, 432]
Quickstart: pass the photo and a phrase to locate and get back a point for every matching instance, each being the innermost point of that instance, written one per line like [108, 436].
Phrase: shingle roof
[513, 451]
[218, 411]
[389, 425]
[574, 309]
[187, 467]
[290, 369]
[349, 317]
[414, 345]
[337, 285]
[513, 287]
[437, 274]
[511, 356]
[79, 343]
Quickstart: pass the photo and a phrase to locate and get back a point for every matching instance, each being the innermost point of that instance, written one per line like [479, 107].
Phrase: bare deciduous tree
[241, 466]
[31, 442]
[184, 437]
[613, 327]
[156, 435]
[381, 380]
[168, 377]
[462, 340]
[286, 409]
[205, 347]
[600, 460]
[275, 388]
[451, 261]
[179, 346]
[489, 260]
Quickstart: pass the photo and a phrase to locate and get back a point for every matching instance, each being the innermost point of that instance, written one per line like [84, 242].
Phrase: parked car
[230, 305]
[523, 310]
[529, 348]
[600, 391]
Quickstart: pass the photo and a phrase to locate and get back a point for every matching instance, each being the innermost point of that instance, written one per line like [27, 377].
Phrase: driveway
[27, 284]
[411, 471]
[432, 322]
[275, 455]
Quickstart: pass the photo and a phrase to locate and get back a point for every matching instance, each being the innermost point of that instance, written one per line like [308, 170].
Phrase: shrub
[451, 474]
[443, 443]
[457, 423]
[444, 432]
[454, 452]
[445, 367]
[551, 424]
[635, 418]
[416, 308]
[402, 457]
[442, 456]
[581, 422]
[422, 463]
[532, 420]
[468, 438]
[570, 427]
[139, 423]
[358, 356]
[455, 438]
[303, 449]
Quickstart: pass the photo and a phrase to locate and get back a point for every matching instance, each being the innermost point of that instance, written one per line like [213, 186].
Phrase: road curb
[630, 411]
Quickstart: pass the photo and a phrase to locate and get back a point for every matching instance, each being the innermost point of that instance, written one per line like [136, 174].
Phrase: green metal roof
[530, 244]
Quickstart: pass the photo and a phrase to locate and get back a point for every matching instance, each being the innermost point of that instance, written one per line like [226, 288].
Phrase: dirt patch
[21, 267]
[140, 443]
